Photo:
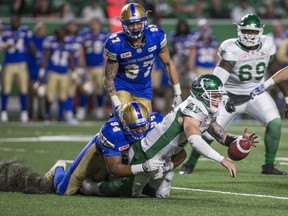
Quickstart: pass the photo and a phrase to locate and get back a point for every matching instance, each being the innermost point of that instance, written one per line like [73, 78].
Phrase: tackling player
[105, 156]
[243, 64]
[130, 57]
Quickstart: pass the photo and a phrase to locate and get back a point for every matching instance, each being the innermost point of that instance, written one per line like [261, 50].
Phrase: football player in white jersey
[243, 64]
[183, 125]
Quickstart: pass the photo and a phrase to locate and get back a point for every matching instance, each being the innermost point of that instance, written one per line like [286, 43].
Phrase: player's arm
[192, 131]
[44, 62]
[226, 139]
[172, 74]
[223, 70]
[117, 169]
[111, 69]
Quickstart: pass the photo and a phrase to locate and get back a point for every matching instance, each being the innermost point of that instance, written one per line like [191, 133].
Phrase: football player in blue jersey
[57, 60]
[16, 40]
[36, 89]
[203, 53]
[105, 156]
[130, 57]
[93, 39]
[74, 78]
[181, 43]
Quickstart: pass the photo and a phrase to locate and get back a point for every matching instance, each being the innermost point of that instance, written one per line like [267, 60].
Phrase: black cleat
[186, 169]
[269, 169]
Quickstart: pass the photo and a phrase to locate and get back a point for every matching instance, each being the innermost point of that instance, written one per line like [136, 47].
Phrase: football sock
[194, 155]
[272, 139]
[23, 102]
[100, 100]
[61, 109]
[59, 175]
[4, 102]
[69, 104]
[83, 101]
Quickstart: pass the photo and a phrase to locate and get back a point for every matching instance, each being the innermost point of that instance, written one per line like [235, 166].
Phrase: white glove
[148, 166]
[177, 100]
[153, 164]
[162, 170]
[257, 91]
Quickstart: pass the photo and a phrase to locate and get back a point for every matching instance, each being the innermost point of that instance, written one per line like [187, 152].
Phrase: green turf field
[208, 191]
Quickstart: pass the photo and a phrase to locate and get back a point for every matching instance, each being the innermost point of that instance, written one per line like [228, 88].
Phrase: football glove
[153, 164]
[257, 91]
[177, 100]
[162, 170]
[230, 106]
[286, 110]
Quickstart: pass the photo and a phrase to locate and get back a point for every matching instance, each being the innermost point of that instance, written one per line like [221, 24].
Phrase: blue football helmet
[134, 13]
[135, 119]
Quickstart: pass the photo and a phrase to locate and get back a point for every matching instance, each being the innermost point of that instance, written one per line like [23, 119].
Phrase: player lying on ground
[102, 157]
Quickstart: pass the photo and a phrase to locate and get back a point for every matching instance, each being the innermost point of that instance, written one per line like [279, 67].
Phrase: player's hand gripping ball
[239, 149]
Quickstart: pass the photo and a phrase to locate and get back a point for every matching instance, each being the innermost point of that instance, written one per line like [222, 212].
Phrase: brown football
[239, 149]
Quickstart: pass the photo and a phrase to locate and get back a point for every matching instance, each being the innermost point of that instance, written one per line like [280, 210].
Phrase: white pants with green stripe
[162, 186]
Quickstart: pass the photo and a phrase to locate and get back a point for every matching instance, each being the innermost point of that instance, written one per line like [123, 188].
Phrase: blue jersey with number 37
[135, 64]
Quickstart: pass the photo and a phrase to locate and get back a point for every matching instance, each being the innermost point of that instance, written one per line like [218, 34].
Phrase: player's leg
[88, 163]
[163, 186]
[100, 93]
[23, 80]
[72, 86]
[51, 92]
[63, 83]
[264, 109]
[7, 81]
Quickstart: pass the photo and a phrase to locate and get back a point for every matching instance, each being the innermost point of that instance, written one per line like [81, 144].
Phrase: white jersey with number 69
[249, 66]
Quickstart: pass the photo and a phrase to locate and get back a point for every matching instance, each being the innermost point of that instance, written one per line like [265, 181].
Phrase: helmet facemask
[135, 120]
[134, 20]
[250, 29]
[248, 39]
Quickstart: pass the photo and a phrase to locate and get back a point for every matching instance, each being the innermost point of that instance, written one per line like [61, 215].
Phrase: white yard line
[231, 193]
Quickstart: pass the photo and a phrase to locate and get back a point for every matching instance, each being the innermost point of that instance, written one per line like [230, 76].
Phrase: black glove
[286, 111]
[230, 106]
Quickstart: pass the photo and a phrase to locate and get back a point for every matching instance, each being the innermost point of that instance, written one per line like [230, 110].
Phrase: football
[239, 149]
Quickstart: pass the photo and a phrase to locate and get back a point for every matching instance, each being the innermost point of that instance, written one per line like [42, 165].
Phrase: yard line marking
[20, 150]
[231, 193]
[69, 138]
[282, 158]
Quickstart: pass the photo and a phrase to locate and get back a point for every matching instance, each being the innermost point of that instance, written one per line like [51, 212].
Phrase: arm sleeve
[203, 148]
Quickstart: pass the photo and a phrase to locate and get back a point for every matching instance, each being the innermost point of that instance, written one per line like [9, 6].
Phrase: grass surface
[208, 191]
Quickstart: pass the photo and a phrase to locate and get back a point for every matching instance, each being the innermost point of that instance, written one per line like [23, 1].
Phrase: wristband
[177, 89]
[268, 83]
[135, 169]
[116, 100]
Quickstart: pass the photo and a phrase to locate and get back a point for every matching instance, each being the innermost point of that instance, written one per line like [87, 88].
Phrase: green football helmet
[208, 89]
[250, 22]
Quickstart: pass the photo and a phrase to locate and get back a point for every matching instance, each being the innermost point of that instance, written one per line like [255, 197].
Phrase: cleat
[4, 116]
[100, 113]
[24, 117]
[51, 173]
[269, 169]
[81, 113]
[186, 169]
